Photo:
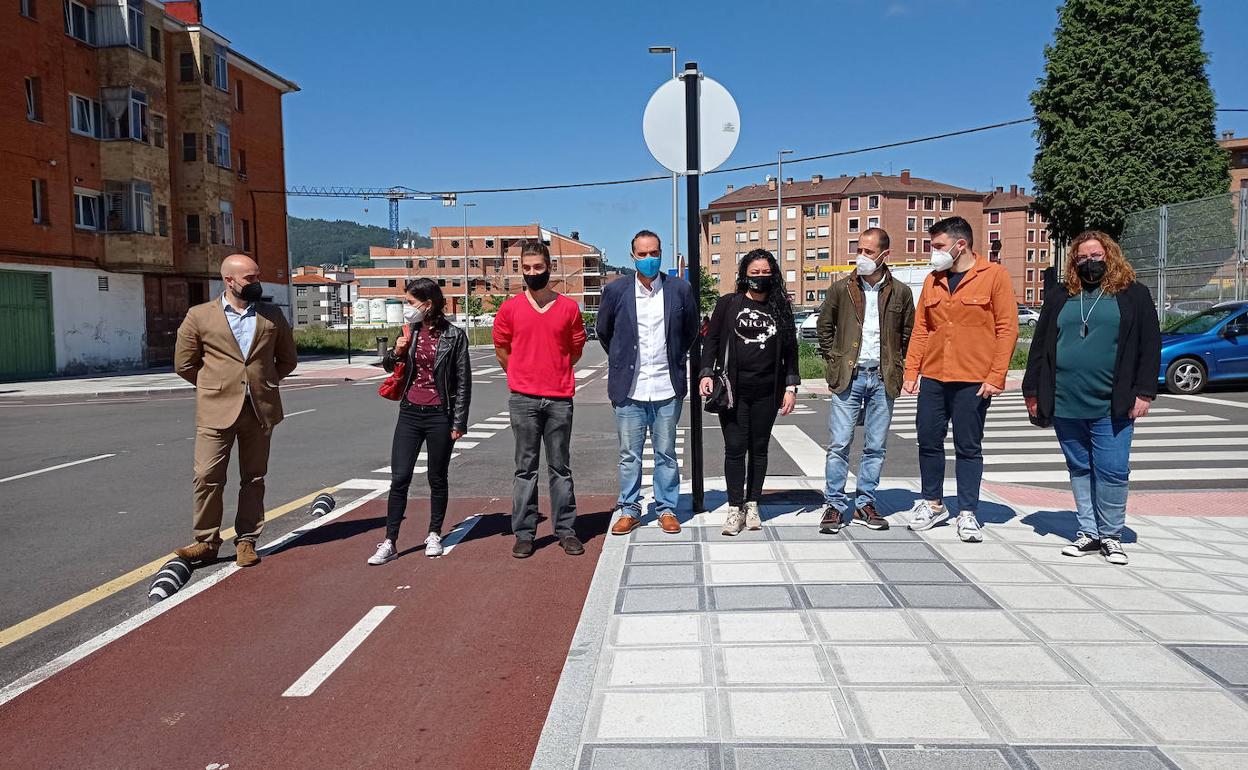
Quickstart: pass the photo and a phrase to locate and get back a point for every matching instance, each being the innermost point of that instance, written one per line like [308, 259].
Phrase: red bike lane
[460, 674]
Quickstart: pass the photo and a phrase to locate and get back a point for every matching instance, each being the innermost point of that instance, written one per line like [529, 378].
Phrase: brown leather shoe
[625, 524]
[199, 552]
[245, 554]
[869, 517]
[669, 524]
[572, 545]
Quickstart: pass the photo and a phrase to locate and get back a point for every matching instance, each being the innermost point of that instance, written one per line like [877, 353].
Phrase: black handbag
[722, 399]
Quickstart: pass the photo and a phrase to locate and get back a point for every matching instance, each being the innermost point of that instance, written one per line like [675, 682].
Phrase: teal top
[1085, 365]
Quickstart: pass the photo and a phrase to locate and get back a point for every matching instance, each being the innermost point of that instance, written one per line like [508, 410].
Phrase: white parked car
[1028, 316]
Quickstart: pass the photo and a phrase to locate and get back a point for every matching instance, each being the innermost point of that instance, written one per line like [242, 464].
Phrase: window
[86, 209]
[790, 234]
[927, 224]
[810, 253]
[136, 24]
[1031, 275]
[715, 239]
[993, 235]
[223, 145]
[854, 224]
[238, 95]
[1031, 295]
[227, 223]
[873, 202]
[946, 204]
[853, 204]
[34, 100]
[753, 215]
[28, 9]
[929, 203]
[158, 131]
[808, 211]
[790, 275]
[189, 145]
[823, 209]
[80, 22]
[714, 219]
[84, 116]
[212, 228]
[771, 215]
[192, 228]
[1044, 256]
[873, 221]
[810, 296]
[912, 224]
[210, 148]
[927, 245]
[790, 255]
[753, 235]
[739, 216]
[554, 264]
[221, 72]
[154, 46]
[1044, 236]
[741, 237]
[810, 232]
[39, 200]
[994, 218]
[773, 234]
[1031, 216]
[853, 246]
[790, 212]
[822, 253]
[1031, 255]
[824, 231]
[242, 162]
[125, 114]
[910, 245]
[128, 207]
[301, 291]
[101, 283]
[714, 259]
[822, 294]
[186, 67]
[912, 202]
[162, 221]
[1031, 236]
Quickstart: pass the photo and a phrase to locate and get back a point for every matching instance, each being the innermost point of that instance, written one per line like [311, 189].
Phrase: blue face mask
[649, 266]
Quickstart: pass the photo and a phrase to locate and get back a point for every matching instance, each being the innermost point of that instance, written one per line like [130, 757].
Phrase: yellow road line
[82, 601]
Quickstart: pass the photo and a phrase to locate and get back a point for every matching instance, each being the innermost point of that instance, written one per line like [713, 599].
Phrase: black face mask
[252, 292]
[760, 283]
[537, 281]
[1091, 271]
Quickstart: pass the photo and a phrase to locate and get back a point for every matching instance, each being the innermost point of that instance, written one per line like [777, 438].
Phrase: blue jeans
[1098, 456]
[633, 419]
[865, 393]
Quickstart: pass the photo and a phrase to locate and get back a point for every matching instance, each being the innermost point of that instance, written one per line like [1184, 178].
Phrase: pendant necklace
[1083, 330]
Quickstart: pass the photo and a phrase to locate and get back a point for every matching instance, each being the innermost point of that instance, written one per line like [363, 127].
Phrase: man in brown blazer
[235, 350]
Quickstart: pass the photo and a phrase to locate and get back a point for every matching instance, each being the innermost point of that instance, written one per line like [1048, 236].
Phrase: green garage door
[26, 318]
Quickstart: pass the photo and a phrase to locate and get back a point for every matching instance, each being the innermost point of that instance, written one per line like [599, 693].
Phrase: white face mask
[941, 260]
[413, 314]
[866, 265]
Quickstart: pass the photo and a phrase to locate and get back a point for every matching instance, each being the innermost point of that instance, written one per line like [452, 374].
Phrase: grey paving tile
[1101, 758]
[1228, 664]
[774, 665]
[897, 532]
[846, 595]
[894, 715]
[856, 625]
[656, 667]
[649, 716]
[1217, 759]
[916, 551]
[1128, 664]
[1010, 663]
[888, 664]
[1048, 716]
[790, 533]
[917, 572]
[649, 758]
[658, 554]
[945, 758]
[666, 599]
[1187, 627]
[953, 595]
[972, 626]
[758, 627]
[778, 597]
[1181, 716]
[656, 535]
[809, 716]
[1082, 627]
[792, 758]
[647, 630]
[662, 575]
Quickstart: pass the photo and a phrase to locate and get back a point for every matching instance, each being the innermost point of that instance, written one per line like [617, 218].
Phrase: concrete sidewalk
[164, 381]
[788, 648]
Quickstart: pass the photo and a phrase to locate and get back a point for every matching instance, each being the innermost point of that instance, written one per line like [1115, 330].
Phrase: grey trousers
[535, 421]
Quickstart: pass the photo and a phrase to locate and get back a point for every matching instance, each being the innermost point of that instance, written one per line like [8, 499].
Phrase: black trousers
[747, 434]
[417, 425]
[939, 404]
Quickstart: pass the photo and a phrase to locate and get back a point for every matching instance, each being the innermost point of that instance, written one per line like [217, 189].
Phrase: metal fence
[1191, 255]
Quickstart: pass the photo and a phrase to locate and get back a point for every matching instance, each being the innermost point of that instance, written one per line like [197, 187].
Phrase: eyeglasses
[1081, 258]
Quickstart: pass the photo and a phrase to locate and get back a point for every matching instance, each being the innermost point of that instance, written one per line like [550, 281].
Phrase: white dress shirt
[869, 350]
[654, 378]
[242, 324]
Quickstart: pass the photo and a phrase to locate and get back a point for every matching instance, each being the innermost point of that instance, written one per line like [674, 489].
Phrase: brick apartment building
[493, 265]
[323, 295]
[1238, 149]
[132, 138]
[821, 222]
[1018, 238]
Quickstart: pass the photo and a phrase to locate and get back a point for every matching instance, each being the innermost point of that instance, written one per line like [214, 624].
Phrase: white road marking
[457, 535]
[296, 414]
[485, 426]
[1011, 423]
[809, 455]
[1171, 429]
[1152, 474]
[477, 435]
[1136, 443]
[1208, 400]
[499, 420]
[487, 370]
[366, 483]
[335, 656]
[1136, 457]
[57, 467]
[461, 444]
[648, 462]
[582, 373]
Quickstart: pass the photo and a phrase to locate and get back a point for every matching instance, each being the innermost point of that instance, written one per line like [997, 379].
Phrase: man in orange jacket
[965, 328]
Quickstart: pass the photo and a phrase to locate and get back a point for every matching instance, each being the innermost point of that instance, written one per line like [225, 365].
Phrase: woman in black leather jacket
[433, 410]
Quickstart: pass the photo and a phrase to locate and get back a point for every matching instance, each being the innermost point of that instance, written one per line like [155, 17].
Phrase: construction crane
[391, 194]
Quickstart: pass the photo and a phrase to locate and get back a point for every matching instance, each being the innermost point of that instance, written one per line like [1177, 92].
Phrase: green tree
[497, 300]
[708, 291]
[1124, 114]
[475, 305]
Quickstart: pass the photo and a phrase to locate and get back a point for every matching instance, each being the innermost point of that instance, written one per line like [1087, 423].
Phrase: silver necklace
[1083, 330]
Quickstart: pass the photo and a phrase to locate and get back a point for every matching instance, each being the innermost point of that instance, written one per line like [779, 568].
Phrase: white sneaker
[433, 545]
[385, 553]
[752, 519]
[735, 521]
[968, 528]
[1112, 550]
[1082, 546]
[923, 516]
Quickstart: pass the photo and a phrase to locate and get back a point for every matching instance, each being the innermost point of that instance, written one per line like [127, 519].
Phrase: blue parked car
[1211, 346]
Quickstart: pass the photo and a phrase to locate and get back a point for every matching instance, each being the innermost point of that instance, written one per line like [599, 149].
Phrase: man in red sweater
[538, 338]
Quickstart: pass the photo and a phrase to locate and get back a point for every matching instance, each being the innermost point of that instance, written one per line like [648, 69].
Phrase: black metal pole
[693, 162]
[351, 308]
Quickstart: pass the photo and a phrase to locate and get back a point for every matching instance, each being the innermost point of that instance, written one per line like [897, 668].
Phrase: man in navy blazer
[647, 326]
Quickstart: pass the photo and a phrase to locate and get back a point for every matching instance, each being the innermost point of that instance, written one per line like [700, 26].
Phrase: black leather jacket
[452, 372]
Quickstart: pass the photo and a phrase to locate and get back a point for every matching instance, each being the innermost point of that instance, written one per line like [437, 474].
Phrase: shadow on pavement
[1063, 523]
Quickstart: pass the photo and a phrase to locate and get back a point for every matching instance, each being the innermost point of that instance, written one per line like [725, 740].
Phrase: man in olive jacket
[864, 330]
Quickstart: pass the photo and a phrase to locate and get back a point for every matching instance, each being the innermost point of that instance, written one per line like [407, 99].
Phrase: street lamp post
[780, 206]
[467, 318]
[675, 189]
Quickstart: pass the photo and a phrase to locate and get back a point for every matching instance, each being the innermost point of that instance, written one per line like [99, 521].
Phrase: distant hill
[320, 241]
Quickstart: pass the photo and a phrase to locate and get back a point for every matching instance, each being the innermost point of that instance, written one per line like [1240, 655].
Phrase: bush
[319, 340]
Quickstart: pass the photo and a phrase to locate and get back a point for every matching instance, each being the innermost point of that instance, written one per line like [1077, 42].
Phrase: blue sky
[445, 95]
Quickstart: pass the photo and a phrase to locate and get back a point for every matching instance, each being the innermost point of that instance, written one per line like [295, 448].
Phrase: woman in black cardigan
[1091, 372]
[754, 328]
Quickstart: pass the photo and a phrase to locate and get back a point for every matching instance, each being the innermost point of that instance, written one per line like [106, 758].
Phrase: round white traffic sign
[664, 125]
